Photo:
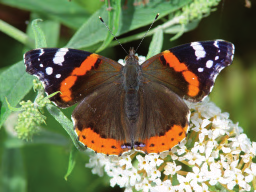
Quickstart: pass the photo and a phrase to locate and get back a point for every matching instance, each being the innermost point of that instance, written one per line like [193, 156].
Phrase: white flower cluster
[216, 155]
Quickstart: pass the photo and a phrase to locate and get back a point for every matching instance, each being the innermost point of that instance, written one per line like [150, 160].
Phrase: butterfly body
[133, 106]
[131, 85]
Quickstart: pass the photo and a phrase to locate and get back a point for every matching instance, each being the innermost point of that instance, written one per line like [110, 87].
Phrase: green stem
[16, 34]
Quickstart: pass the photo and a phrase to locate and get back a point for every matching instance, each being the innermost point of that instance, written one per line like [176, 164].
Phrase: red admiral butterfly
[134, 106]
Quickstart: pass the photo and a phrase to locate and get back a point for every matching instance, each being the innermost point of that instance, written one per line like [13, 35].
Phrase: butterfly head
[131, 58]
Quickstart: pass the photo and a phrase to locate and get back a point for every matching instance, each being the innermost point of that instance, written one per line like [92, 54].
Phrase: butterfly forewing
[73, 72]
[190, 69]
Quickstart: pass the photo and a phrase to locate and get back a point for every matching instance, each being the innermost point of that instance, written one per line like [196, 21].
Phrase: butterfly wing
[187, 71]
[190, 69]
[163, 121]
[95, 82]
[74, 73]
[100, 121]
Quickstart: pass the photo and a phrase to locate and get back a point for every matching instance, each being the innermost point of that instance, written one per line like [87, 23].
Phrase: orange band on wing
[173, 61]
[191, 78]
[86, 65]
[100, 145]
[193, 90]
[158, 144]
[65, 88]
[67, 83]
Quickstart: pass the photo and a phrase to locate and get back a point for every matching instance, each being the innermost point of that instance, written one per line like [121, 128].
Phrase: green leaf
[140, 16]
[156, 43]
[90, 6]
[42, 137]
[12, 175]
[133, 17]
[48, 137]
[177, 28]
[50, 28]
[52, 35]
[66, 124]
[180, 33]
[15, 83]
[71, 162]
[11, 107]
[92, 32]
[64, 11]
[113, 18]
[39, 35]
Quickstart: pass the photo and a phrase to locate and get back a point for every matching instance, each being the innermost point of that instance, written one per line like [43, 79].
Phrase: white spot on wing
[209, 63]
[41, 52]
[214, 77]
[220, 68]
[200, 69]
[216, 44]
[232, 57]
[233, 49]
[211, 88]
[59, 56]
[199, 50]
[41, 65]
[49, 70]
[58, 76]
[216, 58]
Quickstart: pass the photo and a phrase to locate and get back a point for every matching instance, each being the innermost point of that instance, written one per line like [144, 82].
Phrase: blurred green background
[41, 167]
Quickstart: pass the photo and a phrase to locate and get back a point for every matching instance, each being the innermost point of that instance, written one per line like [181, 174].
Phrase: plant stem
[16, 34]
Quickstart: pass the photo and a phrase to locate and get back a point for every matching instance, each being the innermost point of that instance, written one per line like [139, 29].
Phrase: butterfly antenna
[148, 31]
[112, 34]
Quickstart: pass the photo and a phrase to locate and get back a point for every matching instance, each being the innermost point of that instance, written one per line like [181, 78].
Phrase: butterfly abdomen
[131, 86]
[131, 105]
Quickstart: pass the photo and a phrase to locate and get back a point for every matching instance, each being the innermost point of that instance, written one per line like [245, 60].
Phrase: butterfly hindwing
[190, 69]
[163, 120]
[74, 73]
[100, 123]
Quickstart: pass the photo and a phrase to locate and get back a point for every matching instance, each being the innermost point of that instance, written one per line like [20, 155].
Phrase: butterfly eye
[136, 57]
[126, 58]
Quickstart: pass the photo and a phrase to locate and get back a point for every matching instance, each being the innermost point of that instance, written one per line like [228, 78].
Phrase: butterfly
[134, 106]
